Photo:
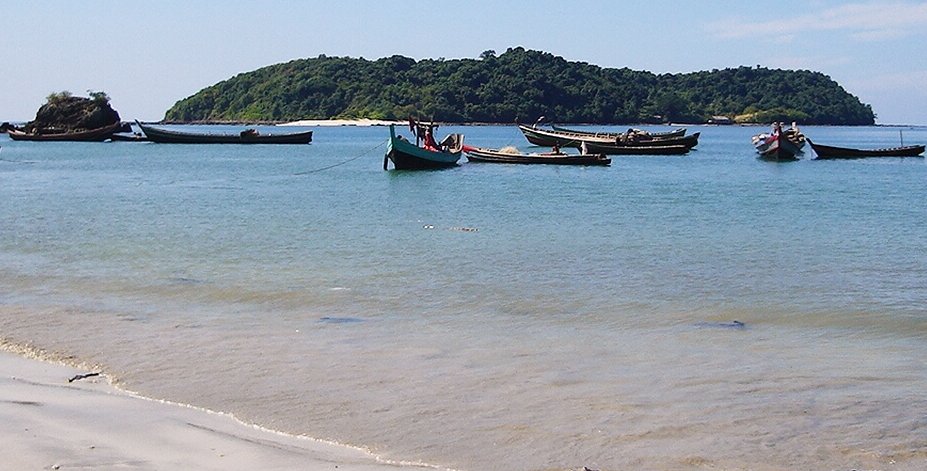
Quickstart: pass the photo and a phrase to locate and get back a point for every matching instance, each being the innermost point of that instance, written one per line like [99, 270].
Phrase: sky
[148, 55]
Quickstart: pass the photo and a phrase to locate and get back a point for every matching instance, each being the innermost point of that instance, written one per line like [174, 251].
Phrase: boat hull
[677, 149]
[164, 136]
[477, 154]
[408, 156]
[777, 149]
[647, 135]
[92, 135]
[832, 152]
[543, 137]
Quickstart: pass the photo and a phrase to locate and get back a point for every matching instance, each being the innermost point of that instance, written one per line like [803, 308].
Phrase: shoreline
[51, 422]
[379, 122]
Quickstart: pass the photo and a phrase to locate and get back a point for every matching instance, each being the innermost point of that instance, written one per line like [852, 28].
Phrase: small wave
[35, 353]
[735, 324]
[340, 320]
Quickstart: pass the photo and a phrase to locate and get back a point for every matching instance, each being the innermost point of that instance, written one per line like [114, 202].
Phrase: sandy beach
[343, 122]
[47, 422]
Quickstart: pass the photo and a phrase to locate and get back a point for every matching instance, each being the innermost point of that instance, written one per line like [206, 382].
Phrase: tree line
[518, 84]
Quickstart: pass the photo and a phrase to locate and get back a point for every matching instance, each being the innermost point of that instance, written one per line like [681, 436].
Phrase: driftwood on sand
[83, 376]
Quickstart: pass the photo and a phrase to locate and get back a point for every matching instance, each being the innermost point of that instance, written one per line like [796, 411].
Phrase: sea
[706, 311]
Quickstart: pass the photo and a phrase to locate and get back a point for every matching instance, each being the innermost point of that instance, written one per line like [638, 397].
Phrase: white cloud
[861, 21]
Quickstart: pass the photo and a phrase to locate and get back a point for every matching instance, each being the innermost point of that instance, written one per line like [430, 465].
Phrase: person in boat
[249, 133]
[583, 149]
[430, 143]
[555, 149]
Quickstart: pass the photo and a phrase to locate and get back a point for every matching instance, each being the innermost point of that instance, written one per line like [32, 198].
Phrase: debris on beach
[83, 376]
[735, 324]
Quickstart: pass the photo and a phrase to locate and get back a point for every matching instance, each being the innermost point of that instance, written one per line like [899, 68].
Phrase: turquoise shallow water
[493, 316]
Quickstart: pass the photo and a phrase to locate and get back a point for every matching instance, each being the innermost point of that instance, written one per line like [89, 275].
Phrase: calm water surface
[493, 316]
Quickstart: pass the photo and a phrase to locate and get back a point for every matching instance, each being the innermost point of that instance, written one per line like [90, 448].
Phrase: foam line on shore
[51, 422]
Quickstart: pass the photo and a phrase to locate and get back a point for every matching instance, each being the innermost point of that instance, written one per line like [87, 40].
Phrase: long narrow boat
[90, 135]
[621, 149]
[425, 153]
[832, 152]
[480, 154]
[643, 134]
[248, 136]
[547, 138]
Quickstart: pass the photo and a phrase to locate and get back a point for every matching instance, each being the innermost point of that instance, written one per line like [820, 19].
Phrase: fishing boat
[778, 146]
[90, 135]
[512, 156]
[425, 153]
[635, 140]
[549, 138]
[832, 152]
[644, 135]
[248, 136]
[624, 149]
[792, 133]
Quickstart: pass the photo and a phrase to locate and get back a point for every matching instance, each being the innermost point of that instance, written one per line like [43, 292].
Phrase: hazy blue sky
[148, 55]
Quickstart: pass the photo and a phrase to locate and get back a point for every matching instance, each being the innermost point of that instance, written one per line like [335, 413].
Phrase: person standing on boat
[430, 143]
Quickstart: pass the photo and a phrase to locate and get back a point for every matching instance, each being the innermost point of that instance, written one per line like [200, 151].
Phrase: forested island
[521, 85]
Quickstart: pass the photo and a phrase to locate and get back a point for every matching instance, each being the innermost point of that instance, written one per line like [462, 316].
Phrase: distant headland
[518, 84]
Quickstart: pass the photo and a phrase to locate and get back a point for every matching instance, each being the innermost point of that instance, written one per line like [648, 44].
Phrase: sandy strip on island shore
[47, 422]
[344, 122]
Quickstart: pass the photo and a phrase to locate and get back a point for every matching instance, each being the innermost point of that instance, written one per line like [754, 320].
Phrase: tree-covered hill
[519, 84]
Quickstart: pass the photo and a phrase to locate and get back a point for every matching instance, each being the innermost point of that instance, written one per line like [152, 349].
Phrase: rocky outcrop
[66, 113]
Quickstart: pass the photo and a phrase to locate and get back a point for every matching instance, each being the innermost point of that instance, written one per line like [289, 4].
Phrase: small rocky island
[65, 113]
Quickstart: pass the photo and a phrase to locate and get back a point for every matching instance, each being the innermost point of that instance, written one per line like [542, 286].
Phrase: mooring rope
[362, 154]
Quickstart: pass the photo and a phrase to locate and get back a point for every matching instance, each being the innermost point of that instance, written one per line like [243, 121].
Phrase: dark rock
[66, 113]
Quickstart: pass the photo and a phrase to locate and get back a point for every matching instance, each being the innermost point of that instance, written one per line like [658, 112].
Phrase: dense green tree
[518, 84]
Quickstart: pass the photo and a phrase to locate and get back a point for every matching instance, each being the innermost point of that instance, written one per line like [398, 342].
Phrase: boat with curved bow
[90, 135]
[248, 136]
[832, 152]
[512, 156]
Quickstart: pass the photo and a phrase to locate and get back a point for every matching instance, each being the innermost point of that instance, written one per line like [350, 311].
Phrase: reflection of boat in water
[512, 156]
[832, 152]
[780, 145]
[248, 136]
[90, 135]
[425, 153]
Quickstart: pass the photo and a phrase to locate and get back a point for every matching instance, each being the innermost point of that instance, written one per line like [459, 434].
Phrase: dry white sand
[48, 423]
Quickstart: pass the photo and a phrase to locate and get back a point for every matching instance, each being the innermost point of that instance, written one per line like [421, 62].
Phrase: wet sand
[47, 422]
